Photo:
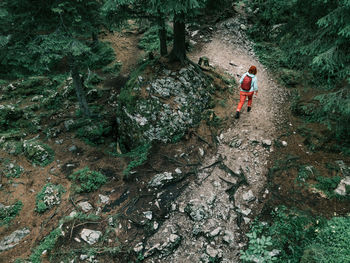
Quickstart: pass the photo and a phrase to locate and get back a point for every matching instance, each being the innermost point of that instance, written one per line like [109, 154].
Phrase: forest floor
[204, 216]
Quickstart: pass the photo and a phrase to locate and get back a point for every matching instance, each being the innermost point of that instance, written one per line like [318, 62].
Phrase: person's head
[252, 70]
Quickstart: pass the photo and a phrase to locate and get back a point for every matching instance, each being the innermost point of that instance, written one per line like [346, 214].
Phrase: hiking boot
[237, 115]
[249, 109]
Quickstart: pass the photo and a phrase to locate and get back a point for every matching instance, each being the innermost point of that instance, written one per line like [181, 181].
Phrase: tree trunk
[162, 35]
[78, 86]
[94, 38]
[178, 52]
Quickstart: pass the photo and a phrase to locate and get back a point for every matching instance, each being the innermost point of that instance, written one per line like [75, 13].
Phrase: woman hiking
[249, 86]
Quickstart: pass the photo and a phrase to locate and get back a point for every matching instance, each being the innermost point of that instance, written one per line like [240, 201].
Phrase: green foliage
[335, 112]
[331, 244]
[112, 69]
[289, 233]
[138, 155]
[10, 170]
[259, 249]
[328, 184]
[7, 214]
[150, 39]
[38, 152]
[305, 172]
[47, 244]
[49, 196]
[88, 180]
[94, 133]
[310, 33]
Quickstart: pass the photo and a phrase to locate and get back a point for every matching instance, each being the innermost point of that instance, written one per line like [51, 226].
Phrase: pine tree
[42, 33]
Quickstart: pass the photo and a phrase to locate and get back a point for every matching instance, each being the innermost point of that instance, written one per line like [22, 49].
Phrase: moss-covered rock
[94, 133]
[162, 109]
[38, 152]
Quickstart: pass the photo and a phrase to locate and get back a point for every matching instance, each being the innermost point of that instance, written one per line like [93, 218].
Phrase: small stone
[178, 171]
[85, 206]
[284, 143]
[174, 238]
[73, 214]
[103, 199]
[248, 196]
[90, 236]
[139, 247]
[155, 225]
[215, 232]
[243, 27]
[73, 148]
[266, 143]
[161, 179]
[148, 215]
[228, 237]
[246, 211]
[201, 152]
[213, 252]
[77, 239]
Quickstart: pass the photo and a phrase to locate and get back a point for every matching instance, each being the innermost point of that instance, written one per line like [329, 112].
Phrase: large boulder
[162, 108]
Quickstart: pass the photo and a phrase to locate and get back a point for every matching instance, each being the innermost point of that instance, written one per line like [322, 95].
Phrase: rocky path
[207, 221]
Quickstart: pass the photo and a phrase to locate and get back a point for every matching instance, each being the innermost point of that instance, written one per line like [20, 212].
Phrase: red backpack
[246, 83]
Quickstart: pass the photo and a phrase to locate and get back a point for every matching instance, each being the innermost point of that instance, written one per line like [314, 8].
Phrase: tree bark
[162, 35]
[78, 86]
[178, 52]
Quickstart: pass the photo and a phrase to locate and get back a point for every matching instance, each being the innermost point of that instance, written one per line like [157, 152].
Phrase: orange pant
[243, 97]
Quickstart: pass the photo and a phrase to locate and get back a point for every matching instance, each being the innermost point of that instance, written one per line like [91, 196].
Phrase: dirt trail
[205, 222]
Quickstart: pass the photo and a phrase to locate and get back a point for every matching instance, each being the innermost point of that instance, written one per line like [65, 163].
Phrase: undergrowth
[7, 214]
[87, 180]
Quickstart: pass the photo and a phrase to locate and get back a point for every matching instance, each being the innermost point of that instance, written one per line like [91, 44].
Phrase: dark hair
[252, 70]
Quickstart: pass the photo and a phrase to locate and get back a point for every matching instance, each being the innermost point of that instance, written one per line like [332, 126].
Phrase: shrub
[331, 244]
[11, 170]
[39, 153]
[49, 196]
[8, 213]
[284, 239]
[94, 133]
[88, 180]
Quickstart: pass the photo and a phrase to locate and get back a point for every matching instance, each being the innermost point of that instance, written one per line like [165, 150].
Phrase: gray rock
[284, 143]
[13, 239]
[161, 179]
[243, 27]
[68, 124]
[103, 199]
[90, 236]
[73, 148]
[213, 253]
[343, 168]
[139, 247]
[228, 237]
[246, 212]
[196, 212]
[148, 215]
[341, 189]
[215, 232]
[266, 143]
[85, 206]
[248, 196]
